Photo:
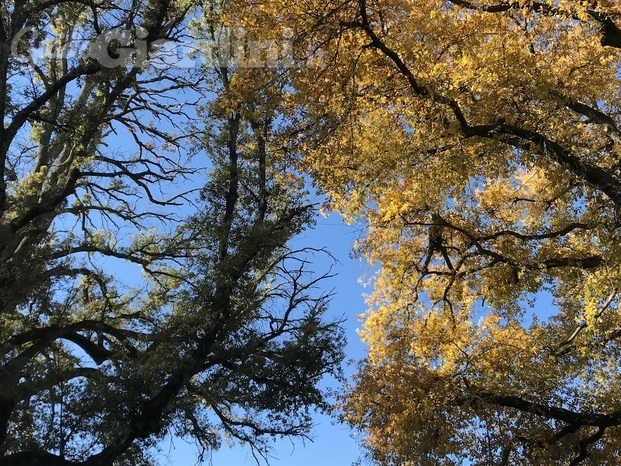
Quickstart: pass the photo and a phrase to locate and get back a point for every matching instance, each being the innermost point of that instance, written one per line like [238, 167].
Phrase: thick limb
[436, 243]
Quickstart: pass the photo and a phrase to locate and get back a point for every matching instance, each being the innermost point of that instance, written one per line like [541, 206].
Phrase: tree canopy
[218, 329]
[479, 142]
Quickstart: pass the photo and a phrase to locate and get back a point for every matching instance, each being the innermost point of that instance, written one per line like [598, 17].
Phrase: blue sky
[332, 443]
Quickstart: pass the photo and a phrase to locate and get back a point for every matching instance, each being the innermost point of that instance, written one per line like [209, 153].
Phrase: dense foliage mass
[480, 141]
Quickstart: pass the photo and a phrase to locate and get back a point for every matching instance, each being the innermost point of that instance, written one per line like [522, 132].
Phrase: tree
[224, 334]
[480, 142]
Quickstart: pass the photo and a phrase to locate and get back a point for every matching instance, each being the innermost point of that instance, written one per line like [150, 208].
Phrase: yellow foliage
[479, 141]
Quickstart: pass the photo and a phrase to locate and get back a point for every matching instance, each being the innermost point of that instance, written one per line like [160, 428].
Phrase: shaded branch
[546, 411]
